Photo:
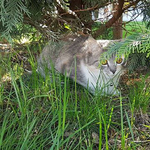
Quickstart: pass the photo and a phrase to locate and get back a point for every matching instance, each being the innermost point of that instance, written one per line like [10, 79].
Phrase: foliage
[139, 95]
[108, 34]
[39, 114]
[50, 17]
[135, 47]
[134, 27]
[36, 113]
[146, 13]
[11, 14]
[90, 3]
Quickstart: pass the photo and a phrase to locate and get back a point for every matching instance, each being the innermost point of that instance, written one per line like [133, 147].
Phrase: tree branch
[80, 10]
[119, 11]
[87, 9]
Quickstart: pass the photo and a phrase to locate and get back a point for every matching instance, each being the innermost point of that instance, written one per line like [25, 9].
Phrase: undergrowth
[56, 113]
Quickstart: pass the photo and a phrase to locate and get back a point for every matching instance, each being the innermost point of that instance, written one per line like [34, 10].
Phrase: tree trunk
[117, 14]
[117, 26]
[117, 29]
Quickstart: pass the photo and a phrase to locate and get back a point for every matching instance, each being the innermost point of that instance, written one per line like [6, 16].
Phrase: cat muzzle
[113, 70]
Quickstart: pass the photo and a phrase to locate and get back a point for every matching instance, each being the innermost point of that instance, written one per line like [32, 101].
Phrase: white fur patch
[96, 79]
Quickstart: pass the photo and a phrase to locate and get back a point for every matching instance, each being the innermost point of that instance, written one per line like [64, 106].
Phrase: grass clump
[36, 113]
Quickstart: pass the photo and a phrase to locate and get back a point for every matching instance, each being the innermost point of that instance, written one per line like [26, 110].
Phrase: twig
[80, 10]
[141, 141]
[88, 9]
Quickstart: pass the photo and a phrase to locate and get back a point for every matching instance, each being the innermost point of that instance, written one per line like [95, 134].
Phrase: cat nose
[113, 70]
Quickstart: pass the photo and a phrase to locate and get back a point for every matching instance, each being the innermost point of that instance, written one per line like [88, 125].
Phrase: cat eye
[104, 62]
[119, 61]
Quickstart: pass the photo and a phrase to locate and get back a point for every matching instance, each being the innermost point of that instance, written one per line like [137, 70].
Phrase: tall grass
[57, 113]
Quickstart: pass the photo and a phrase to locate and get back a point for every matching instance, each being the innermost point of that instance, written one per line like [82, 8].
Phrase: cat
[79, 58]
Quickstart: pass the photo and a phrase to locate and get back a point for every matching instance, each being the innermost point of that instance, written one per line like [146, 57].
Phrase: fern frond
[137, 46]
[136, 42]
[11, 14]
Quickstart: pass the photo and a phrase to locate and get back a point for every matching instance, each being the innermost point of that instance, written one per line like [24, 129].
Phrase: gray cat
[79, 57]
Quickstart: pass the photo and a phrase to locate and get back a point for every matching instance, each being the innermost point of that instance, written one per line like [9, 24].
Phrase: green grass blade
[122, 128]
[26, 139]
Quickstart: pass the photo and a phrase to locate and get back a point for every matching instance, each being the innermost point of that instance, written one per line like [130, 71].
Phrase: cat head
[111, 70]
[114, 65]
